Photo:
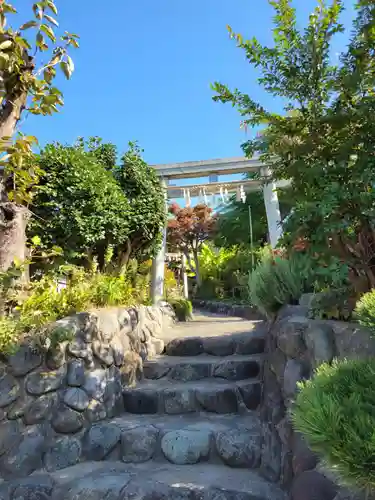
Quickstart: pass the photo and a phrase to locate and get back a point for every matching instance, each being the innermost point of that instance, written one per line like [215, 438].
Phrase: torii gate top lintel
[204, 168]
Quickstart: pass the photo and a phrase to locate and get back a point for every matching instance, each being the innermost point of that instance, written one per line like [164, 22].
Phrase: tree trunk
[11, 114]
[125, 256]
[197, 270]
[13, 221]
[13, 217]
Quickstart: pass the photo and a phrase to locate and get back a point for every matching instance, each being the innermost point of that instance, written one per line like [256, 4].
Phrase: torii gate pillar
[271, 202]
[158, 263]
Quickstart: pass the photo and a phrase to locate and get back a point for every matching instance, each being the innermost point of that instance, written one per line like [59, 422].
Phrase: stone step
[117, 481]
[252, 342]
[191, 368]
[211, 395]
[233, 440]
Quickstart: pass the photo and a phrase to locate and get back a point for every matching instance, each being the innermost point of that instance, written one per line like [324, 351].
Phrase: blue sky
[144, 69]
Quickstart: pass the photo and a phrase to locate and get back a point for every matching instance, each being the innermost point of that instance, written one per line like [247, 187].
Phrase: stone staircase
[192, 425]
[191, 431]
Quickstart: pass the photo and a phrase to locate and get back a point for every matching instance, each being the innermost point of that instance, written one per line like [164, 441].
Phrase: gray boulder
[66, 420]
[76, 398]
[76, 373]
[179, 401]
[25, 360]
[139, 444]
[24, 458]
[239, 448]
[40, 409]
[42, 382]
[64, 452]
[100, 440]
[9, 390]
[186, 446]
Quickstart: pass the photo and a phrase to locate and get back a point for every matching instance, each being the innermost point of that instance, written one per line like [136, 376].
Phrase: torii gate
[212, 169]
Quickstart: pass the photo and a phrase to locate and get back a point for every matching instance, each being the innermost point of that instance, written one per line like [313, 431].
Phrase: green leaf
[51, 19]
[6, 45]
[9, 9]
[36, 241]
[38, 10]
[29, 24]
[70, 64]
[52, 6]
[66, 69]
[49, 32]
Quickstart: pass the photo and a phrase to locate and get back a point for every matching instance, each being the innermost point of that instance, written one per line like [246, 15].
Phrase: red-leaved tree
[189, 229]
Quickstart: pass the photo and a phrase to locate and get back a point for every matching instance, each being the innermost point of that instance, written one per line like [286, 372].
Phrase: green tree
[324, 140]
[147, 213]
[79, 205]
[29, 57]
[233, 224]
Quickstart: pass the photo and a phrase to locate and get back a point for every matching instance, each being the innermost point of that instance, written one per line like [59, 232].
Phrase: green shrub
[336, 412]
[276, 281]
[84, 290]
[337, 304]
[107, 290]
[183, 309]
[9, 334]
[365, 310]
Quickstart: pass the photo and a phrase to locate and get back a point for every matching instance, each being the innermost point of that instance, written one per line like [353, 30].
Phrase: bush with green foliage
[336, 412]
[86, 203]
[336, 304]
[365, 311]
[322, 138]
[84, 290]
[183, 309]
[225, 271]
[10, 333]
[276, 281]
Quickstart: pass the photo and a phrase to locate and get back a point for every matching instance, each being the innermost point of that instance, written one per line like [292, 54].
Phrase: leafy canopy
[190, 227]
[85, 203]
[79, 205]
[147, 205]
[29, 58]
[324, 140]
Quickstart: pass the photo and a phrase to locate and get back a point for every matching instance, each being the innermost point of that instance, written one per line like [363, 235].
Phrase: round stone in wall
[40, 409]
[17, 410]
[139, 444]
[96, 383]
[76, 373]
[10, 435]
[76, 398]
[239, 448]
[9, 390]
[42, 382]
[103, 352]
[26, 358]
[185, 347]
[65, 452]
[25, 457]
[95, 411]
[186, 446]
[66, 420]
[100, 441]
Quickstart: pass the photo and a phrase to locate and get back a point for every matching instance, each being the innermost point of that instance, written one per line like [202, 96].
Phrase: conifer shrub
[183, 309]
[335, 410]
[276, 281]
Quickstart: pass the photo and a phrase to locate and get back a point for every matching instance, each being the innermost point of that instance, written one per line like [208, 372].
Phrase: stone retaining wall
[238, 310]
[48, 394]
[295, 346]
